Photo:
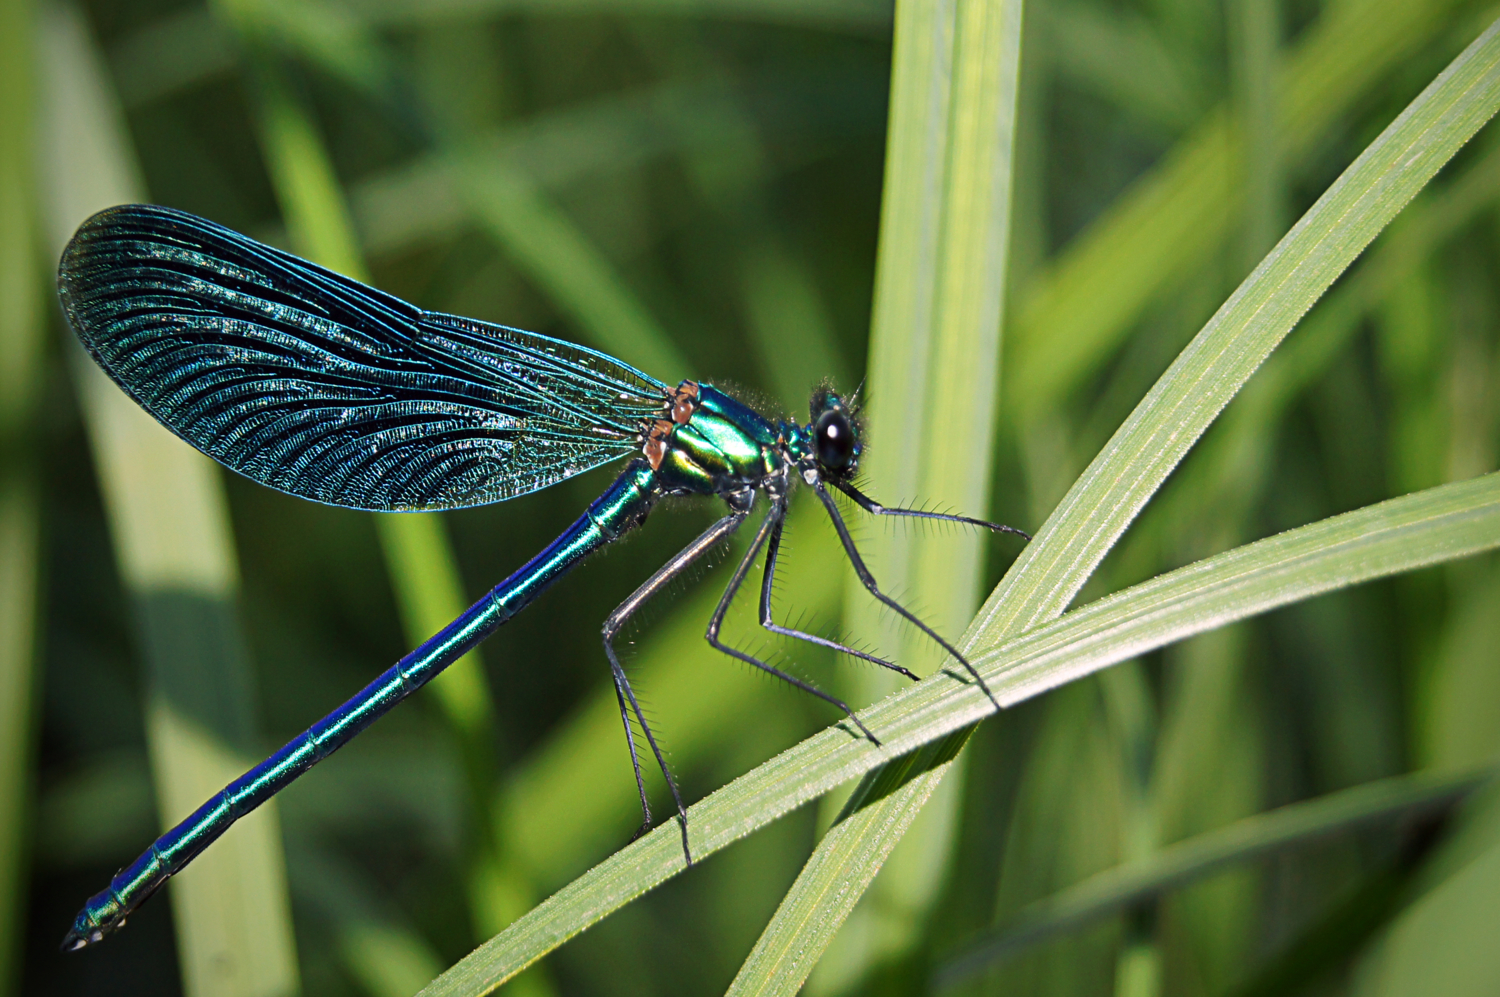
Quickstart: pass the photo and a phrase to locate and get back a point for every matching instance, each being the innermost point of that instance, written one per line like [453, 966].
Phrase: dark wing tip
[76, 272]
[316, 385]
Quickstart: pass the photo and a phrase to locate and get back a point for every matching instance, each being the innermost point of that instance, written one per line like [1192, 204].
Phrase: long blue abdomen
[622, 507]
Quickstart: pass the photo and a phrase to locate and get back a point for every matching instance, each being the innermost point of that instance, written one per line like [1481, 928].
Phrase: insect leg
[773, 547]
[772, 521]
[706, 541]
[874, 589]
[875, 508]
[635, 759]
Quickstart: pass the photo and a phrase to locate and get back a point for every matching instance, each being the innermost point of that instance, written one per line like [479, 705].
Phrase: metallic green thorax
[724, 446]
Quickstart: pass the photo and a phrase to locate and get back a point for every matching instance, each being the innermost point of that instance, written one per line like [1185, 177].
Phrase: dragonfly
[322, 387]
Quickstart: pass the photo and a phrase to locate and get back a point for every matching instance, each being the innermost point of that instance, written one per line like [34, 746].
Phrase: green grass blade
[1233, 467]
[22, 331]
[1228, 350]
[842, 868]
[1251, 838]
[934, 383]
[1244, 331]
[1399, 535]
[171, 531]
[1151, 442]
[1070, 319]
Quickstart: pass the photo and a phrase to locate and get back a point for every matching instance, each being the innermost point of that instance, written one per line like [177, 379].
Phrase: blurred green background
[695, 187]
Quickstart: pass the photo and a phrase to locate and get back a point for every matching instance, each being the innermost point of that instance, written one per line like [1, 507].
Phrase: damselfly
[324, 388]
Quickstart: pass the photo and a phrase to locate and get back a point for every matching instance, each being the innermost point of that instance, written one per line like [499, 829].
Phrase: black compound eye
[835, 439]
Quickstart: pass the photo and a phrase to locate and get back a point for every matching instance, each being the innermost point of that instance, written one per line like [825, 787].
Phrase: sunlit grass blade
[840, 872]
[1104, 501]
[933, 389]
[1070, 319]
[1251, 838]
[1239, 337]
[1232, 468]
[170, 526]
[1163, 427]
[1395, 536]
[21, 338]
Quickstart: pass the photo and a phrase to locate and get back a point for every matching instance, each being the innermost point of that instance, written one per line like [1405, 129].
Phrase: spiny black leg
[772, 520]
[706, 541]
[773, 548]
[874, 589]
[661, 761]
[635, 760]
[875, 508]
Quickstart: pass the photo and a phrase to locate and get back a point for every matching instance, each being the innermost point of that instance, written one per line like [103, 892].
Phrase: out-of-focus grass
[170, 526]
[543, 243]
[1297, 824]
[21, 338]
[933, 384]
[385, 956]
[1072, 316]
[1119, 482]
[1193, 767]
[717, 164]
[1402, 534]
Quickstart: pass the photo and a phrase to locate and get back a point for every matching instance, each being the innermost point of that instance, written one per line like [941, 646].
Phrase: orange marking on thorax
[684, 399]
[681, 402]
[655, 447]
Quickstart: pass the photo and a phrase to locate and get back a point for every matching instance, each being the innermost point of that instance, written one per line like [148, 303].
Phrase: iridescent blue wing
[322, 387]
